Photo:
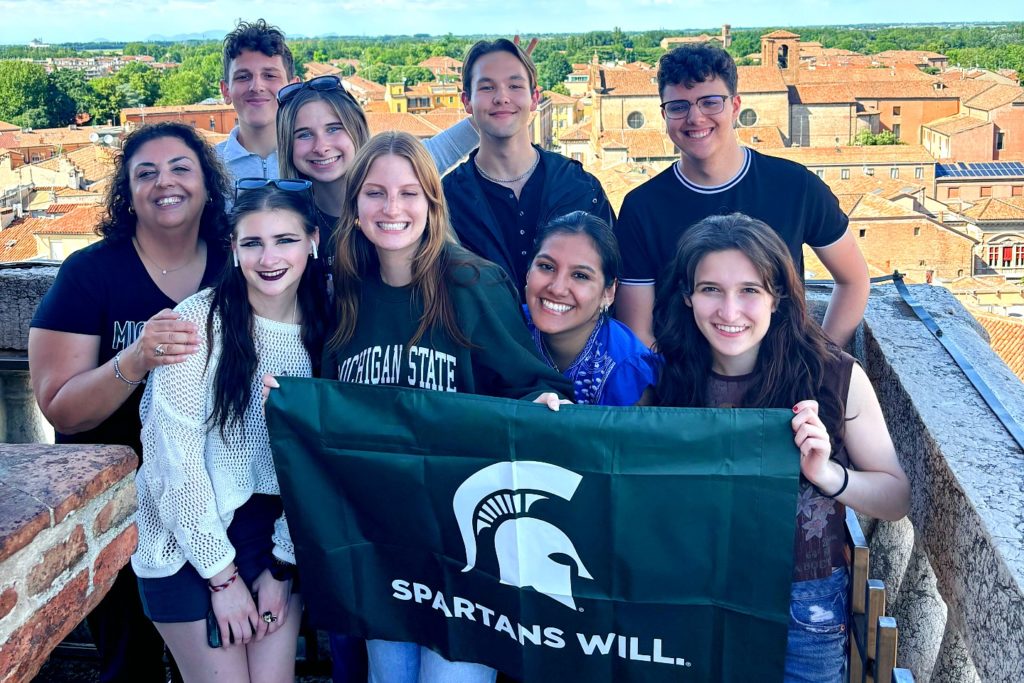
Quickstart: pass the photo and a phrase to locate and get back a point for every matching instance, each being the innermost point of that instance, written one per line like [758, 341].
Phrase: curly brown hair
[119, 221]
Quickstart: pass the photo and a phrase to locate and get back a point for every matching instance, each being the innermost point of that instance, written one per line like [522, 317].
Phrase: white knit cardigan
[192, 478]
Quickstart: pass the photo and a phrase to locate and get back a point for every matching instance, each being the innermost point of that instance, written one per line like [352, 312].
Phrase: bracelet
[117, 373]
[846, 482]
[223, 586]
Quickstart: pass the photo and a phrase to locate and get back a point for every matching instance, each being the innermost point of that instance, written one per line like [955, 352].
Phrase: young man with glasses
[715, 175]
[509, 186]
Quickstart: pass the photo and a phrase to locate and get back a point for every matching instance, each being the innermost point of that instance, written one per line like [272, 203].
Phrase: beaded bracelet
[117, 373]
[223, 586]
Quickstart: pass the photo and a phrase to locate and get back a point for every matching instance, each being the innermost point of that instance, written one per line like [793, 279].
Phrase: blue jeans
[816, 648]
[348, 658]
[392, 662]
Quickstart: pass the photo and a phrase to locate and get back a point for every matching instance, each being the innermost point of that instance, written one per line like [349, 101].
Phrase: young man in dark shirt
[508, 187]
[715, 175]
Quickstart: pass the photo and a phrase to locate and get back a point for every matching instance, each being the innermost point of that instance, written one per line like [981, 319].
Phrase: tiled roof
[212, 137]
[879, 184]
[559, 98]
[830, 93]
[94, 161]
[1006, 337]
[444, 118]
[81, 221]
[360, 85]
[967, 88]
[997, 209]
[4, 126]
[578, 133]
[780, 34]
[969, 283]
[41, 137]
[17, 240]
[630, 83]
[641, 143]
[847, 202]
[995, 97]
[409, 123]
[618, 180]
[760, 137]
[862, 74]
[872, 206]
[854, 155]
[908, 56]
[759, 79]
[315, 69]
[442, 62]
[959, 123]
[900, 90]
[178, 109]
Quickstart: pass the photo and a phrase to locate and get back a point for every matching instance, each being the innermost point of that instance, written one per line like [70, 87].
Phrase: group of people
[303, 246]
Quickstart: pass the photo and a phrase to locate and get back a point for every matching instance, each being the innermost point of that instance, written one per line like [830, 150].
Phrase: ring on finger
[159, 350]
[269, 617]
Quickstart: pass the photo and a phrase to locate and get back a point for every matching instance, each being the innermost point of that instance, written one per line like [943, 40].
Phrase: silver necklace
[163, 271]
[485, 174]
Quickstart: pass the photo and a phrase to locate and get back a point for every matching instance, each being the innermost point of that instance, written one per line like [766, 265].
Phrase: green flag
[592, 544]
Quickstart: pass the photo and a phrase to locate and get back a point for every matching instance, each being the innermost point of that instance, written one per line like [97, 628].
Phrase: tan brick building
[219, 118]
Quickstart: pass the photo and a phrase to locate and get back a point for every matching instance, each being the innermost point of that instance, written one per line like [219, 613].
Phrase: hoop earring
[234, 255]
[131, 209]
[313, 252]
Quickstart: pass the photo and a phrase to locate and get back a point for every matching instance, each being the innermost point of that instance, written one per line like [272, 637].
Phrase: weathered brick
[56, 560]
[8, 599]
[116, 510]
[112, 558]
[22, 517]
[25, 651]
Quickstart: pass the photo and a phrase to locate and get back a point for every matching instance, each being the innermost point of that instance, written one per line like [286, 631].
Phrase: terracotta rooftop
[618, 180]
[361, 86]
[759, 79]
[901, 90]
[871, 206]
[94, 161]
[316, 69]
[967, 88]
[81, 221]
[760, 137]
[409, 123]
[43, 137]
[997, 209]
[995, 97]
[578, 133]
[630, 83]
[641, 143]
[879, 184]
[212, 136]
[780, 34]
[863, 74]
[178, 109]
[444, 118]
[442, 62]
[830, 93]
[908, 56]
[17, 240]
[559, 98]
[1006, 337]
[4, 126]
[959, 123]
[855, 155]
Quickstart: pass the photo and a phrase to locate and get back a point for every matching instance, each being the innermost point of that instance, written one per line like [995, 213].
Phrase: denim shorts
[818, 613]
[184, 596]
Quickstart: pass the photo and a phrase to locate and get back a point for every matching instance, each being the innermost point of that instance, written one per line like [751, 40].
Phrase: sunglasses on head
[286, 184]
[321, 83]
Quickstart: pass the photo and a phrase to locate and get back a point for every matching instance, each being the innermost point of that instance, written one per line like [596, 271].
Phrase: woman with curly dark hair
[107, 321]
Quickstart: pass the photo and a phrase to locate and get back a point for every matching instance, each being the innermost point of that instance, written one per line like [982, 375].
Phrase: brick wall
[913, 246]
[66, 529]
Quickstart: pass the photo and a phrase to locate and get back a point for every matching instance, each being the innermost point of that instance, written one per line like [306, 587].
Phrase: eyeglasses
[286, 184]
[321, 83]
[707, 105]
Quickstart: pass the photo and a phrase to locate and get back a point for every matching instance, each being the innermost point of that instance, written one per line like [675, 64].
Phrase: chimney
[726, 36]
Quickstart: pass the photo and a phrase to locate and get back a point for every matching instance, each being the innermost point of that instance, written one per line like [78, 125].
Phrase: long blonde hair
[355, 256]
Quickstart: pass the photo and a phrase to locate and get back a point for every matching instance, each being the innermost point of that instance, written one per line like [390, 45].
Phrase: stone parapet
[954, 570]
[66, 528]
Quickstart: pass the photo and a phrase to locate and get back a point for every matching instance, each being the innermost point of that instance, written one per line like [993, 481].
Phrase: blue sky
[78, 20]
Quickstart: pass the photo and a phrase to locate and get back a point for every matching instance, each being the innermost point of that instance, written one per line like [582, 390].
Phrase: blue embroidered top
[614, 367]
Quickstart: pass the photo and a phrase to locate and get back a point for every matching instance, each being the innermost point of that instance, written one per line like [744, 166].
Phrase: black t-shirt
[104, 290]
[517, 218]
[783, 194]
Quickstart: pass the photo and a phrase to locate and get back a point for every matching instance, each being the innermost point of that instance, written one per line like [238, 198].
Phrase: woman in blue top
[569, 288]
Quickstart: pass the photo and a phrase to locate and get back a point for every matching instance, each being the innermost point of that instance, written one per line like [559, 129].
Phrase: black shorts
[185, 596]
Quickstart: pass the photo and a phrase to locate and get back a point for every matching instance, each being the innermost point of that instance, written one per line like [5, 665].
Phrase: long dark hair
[795, 352]
[118, 222]
[232, 384]
[436, 257]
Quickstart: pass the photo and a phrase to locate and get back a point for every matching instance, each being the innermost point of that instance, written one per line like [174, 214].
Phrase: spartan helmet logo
[500, 496]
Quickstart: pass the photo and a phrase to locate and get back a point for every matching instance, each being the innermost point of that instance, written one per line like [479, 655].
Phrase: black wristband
[846, 482]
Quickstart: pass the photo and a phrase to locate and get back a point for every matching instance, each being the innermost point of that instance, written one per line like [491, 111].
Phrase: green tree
[24, 91]
[553, 71]
[866, 137]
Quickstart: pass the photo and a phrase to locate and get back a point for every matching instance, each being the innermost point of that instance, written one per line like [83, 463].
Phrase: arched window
[748, 117]
[784, 56]
[635, 120]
